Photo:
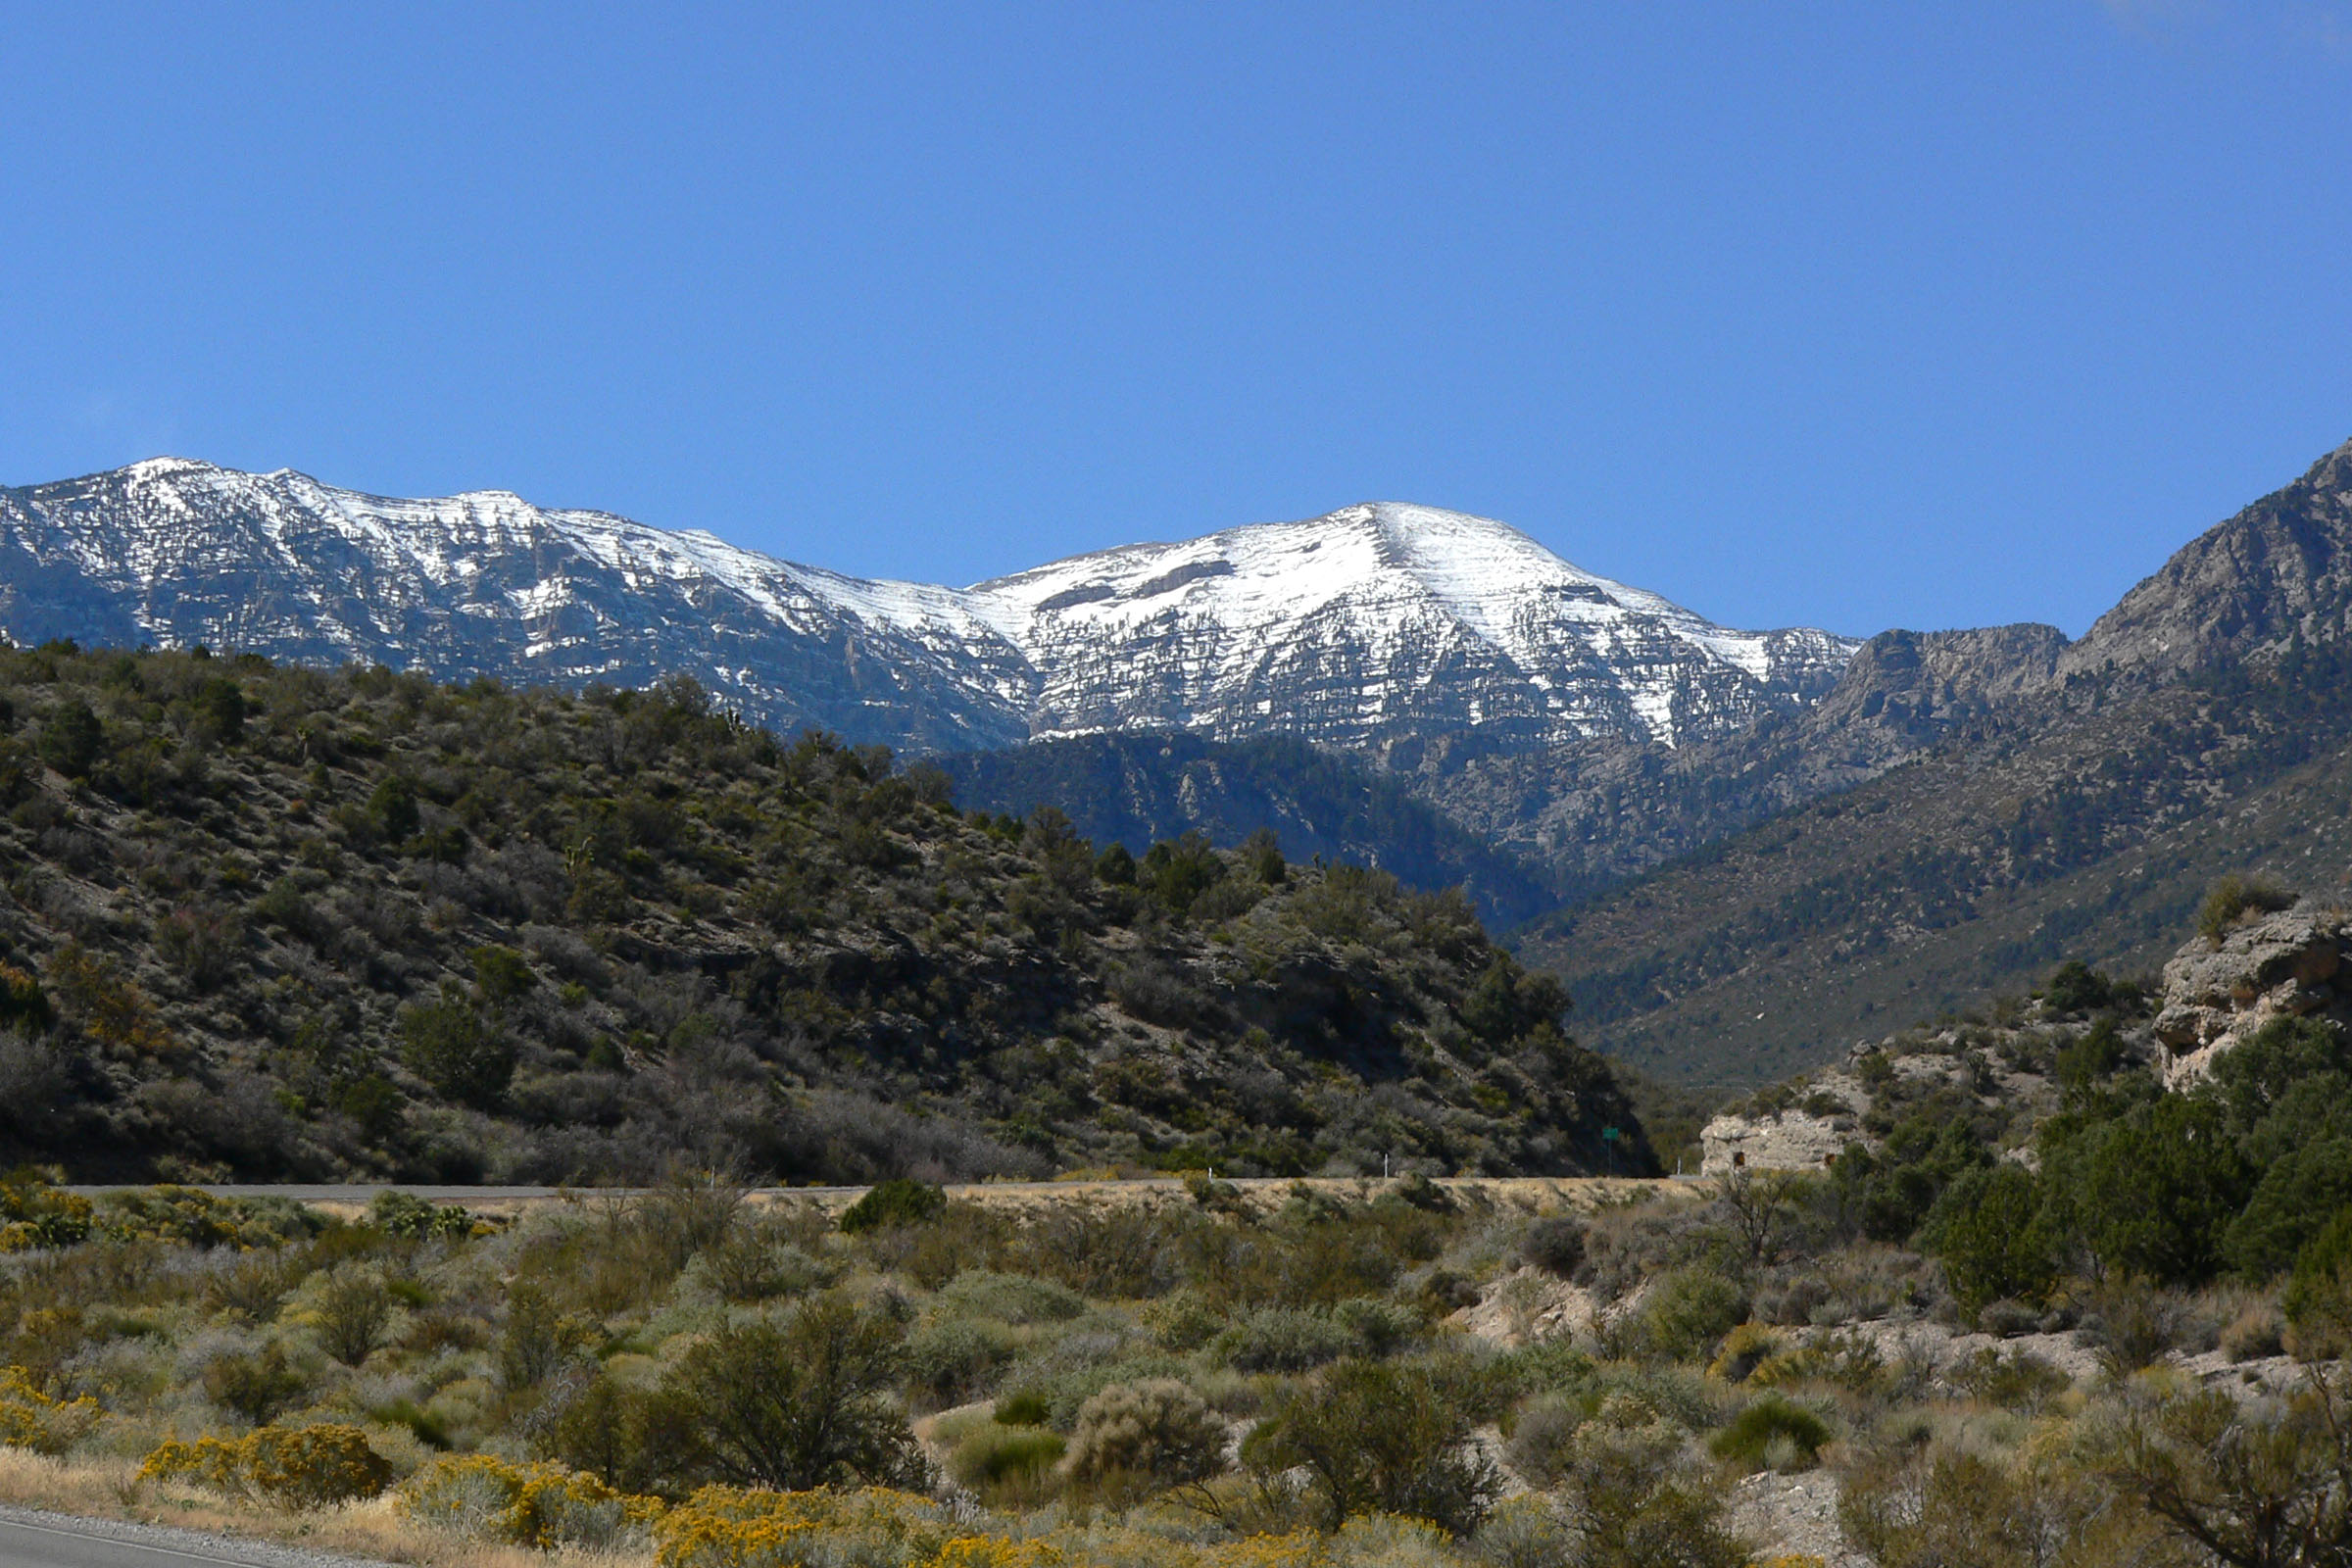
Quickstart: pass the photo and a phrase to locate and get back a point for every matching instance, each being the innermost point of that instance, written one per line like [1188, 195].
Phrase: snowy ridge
[1374, 622]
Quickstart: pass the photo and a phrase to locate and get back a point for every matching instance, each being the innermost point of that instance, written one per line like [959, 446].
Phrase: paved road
[363, 1193]
[32, 1538]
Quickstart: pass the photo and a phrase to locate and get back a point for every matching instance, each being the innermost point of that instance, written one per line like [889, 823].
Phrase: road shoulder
[151, 1544]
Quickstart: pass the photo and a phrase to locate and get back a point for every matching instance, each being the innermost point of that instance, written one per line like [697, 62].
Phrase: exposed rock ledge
[2288, 964]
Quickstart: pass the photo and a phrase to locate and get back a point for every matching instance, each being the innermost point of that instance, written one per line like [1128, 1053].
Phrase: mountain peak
[147, 471]
[1382, 619]
[2248, 587]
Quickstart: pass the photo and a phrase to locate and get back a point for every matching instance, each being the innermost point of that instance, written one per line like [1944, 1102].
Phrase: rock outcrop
[2293, 963]
[1786, 1139]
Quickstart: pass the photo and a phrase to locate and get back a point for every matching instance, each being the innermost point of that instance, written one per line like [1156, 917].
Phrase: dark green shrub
[1378, 1327]
[1774, 1430]
[629, 1439]
[2092, 1058]
[796, 1404]
[406, 1216]
[2151, 1192]
[501, 973]
[72, 739]
[447, 1043]
[1010, 1297]
[2318, 1301]
[254, 1387]
[2076, 987]
[1375, 1438]
[1689, 1311]
[1284, 1338]
[950, 1362]
[1988, 1230]
[2292, 1201]
[1554, 1243]
[893, 1205]
[2233, 896]
[392, 811]
[1026, 1408]
[1008, 1466]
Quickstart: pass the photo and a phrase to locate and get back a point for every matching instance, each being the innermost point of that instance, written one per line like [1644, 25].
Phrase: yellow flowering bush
[33, 1210]
[540, 1505]
[32, 1419]
[293, 1467]
[727, 1527]
[214, 1463]
[995, 1551]
[724, 1528]
[1745, 1348]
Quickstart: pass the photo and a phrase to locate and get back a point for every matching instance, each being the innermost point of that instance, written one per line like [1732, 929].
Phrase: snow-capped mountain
[1375, 622]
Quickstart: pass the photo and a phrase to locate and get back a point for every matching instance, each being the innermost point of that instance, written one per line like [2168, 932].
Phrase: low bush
[291, 1467]
[32, 1419]
[1374, 1438]
[1772, 1432]
[254, 1387]
[894, 1204]
[1157, 1432]
[354, 1310]
[2232, 898]
[1690, 1309]
[1284, 1338]
[538, 1506]
[1554, 1243]
[1543, 1431]
[724, 1527]
[800, 1403]
[1010, 1298]
[1007, 1465]
[947, 1364]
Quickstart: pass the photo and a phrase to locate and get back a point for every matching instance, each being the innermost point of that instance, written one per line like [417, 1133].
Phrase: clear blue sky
[1846, 314]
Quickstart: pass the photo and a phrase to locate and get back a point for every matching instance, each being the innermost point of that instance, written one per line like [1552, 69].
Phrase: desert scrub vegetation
[270, 922]
[699, 1377]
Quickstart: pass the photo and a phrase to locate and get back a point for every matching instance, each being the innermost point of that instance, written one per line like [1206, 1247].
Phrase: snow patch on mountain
[1376, 620]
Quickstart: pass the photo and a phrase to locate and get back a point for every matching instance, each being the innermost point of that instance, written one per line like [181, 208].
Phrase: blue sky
[1845, 315]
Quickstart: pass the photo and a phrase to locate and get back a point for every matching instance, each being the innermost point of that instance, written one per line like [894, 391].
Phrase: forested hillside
[1136, 788]
[268, 921]
[2086, 823]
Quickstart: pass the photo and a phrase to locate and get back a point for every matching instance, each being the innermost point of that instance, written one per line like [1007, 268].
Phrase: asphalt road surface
[30, 1539]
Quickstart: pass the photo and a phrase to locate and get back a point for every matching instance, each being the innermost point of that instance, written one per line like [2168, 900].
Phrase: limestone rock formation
[2292, 964]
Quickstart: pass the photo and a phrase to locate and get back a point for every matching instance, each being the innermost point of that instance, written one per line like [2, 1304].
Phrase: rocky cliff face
[1374, 622]
[1603, 808]
[2216, 993]
[2279, 570]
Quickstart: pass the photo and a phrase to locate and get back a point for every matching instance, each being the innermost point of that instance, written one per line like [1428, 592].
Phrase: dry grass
[109, 1489]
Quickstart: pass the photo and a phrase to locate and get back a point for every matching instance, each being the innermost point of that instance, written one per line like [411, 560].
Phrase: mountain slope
[2245, 589]
[265, 921]
[1596, 811]
[1380, 620]
[2205, 726]
[1319, 802]
[176, 554]
[1374, 621]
